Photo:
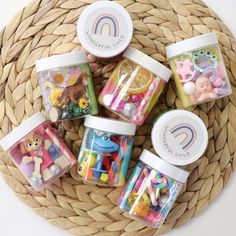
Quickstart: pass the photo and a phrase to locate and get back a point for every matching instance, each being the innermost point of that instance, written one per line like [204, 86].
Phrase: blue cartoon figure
[101, 156]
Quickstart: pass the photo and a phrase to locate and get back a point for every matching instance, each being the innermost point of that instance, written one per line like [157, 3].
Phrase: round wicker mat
[48, 27]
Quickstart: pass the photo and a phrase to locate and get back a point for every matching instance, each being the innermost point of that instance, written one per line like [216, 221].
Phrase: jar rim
[148, 63]
[191, 44]
[110, 125]
[165, 168]
[22, 130]
[63, 60]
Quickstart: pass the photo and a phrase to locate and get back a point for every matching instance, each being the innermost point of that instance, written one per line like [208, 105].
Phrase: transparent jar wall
[68, 92]
[41, 156]
[149, 195]
[200, 76]
[104, 157]
[131, 91]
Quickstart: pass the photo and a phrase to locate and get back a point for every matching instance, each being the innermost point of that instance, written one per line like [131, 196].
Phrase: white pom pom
[189, 88]
[129, 109]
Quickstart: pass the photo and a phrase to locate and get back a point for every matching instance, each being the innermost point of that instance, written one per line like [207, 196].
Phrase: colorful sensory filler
[199, 70]
[67, 87]
[134, 86]
[38, 152]
[152, 189]
[106, 149]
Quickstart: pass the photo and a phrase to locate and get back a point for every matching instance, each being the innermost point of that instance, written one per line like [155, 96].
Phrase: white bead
[107, 99]
[129, 109]
[189, 88]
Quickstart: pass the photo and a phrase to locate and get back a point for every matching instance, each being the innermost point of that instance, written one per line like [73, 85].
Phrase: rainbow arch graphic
[106, 21]
[185, 134]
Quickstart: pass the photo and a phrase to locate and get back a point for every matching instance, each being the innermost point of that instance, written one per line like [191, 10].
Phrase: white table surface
[218, 219]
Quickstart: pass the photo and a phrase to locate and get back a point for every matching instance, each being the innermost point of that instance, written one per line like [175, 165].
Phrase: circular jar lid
[165, 168]
[22, 130]
[64, 60]
[105, 29]
[191, 44]
[179, 137]
[110, 125]
[147, 62]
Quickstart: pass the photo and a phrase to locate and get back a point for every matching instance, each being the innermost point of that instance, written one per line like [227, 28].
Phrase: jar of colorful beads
[152, 189]
[67, 87]
[38, 152]
[134, 86]
[199, 69]
[105, 151]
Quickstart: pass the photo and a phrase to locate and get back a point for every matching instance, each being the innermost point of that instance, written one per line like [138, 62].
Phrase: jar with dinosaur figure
[152, 189]
[38, 152]
[105, 152]
[199, 70]
[67, 86]
[134, 86]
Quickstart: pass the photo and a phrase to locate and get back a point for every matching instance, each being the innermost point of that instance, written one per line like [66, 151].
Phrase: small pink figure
[185, 70]
[204, 89]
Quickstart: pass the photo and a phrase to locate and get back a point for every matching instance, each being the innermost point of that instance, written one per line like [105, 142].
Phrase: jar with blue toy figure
[105, 152]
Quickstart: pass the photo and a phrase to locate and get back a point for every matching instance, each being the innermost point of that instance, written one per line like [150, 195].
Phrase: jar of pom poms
[199, 69]
[67, 86]
[152, 189]
[134, 86]
[38, 152]
[105, 151]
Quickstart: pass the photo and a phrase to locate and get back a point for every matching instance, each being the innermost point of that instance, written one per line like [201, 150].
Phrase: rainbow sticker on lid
[179, 137]
[105, 29]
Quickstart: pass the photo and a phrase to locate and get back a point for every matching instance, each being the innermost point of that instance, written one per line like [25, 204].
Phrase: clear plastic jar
[152, 189]
[67, 86]
[105, 152]
[199, 70]
[38, 152]
[134, 86]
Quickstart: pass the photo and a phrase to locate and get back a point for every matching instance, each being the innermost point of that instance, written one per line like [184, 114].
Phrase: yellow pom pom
[104, 177]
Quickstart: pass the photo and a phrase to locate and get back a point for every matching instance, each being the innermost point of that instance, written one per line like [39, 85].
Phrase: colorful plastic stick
[145, 102]
[130, 186]
[118, 159]
[142, 189]
[151, 191]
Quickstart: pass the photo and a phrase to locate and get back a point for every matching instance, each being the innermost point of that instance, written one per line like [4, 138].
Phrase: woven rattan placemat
[48, 27]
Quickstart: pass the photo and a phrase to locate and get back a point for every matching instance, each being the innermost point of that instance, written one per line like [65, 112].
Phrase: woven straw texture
[48, 27]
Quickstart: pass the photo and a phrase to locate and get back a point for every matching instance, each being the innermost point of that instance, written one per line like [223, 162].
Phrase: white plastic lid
[165, 168]
[105, 29]
[190, 44]
[147, 62]
[68, 59]
[22, 130]
[179, 137]
[110, 125]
